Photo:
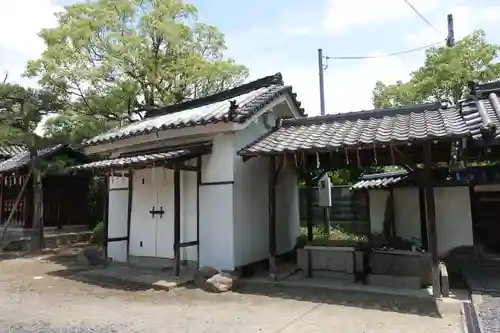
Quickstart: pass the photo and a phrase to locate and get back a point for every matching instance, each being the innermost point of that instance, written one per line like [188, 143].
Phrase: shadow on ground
[359, 299]
[9, 255]
[102, 282]
[72, 270]
[67, 257]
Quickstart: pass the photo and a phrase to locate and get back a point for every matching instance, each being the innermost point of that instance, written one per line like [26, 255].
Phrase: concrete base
[159, 263]
[399, 268]
[300, 280]
[404, 282]
[148, 278]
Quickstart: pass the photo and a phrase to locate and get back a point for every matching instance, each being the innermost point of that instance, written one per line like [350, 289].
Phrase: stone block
[332, 259]
[359, 257]
[302, 259]
[219, 283]
[406, 282]
[203, 274]
[333, 275]
[403, 265]
[445, 284]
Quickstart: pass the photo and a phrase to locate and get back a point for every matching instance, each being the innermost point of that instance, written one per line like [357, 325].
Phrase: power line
[423, 17]
[384, 55]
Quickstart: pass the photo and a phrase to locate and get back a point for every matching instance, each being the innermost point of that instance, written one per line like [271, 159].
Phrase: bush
[97, 237]
[335, 234]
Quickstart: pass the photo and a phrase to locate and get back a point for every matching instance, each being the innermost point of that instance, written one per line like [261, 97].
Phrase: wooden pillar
[423, 218]
[430, 208]
[177, 220]
[105, 217]
[129, 208]
[272, 217]
[198, 184]
[310, 217]
[309, 199]
[393, 232]
[1, 199]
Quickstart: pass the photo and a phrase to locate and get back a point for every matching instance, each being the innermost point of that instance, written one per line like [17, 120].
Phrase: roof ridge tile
[275, 79]
[366, 114]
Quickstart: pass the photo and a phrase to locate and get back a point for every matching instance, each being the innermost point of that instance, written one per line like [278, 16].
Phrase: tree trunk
[37, 240]
[37, 210]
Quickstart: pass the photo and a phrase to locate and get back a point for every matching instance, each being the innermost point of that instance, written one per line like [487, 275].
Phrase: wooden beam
[430, 206]
[177, 221]
[272, 217]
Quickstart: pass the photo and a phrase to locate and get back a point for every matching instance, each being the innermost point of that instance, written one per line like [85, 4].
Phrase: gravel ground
[38, 295]
[489, 313]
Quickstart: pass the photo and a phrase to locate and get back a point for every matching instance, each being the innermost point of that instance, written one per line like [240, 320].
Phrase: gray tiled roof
[234, 105]
[23, 159]
[481, 110]
[380, 180]
[138, 160]
[363, 128]
[10, 151]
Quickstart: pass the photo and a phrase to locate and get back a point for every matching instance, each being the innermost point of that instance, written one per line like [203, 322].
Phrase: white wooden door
[143, 226]
[165, 223]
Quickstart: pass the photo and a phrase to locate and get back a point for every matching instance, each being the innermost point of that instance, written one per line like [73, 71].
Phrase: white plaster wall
[377, 200]
[251, 203]
[189, 181]
[407, 213]
[453, 215]
[251, 206]
[217, 167]
[453, 218]
[216, 205]
[117, 217]
[287, 209]
[216, 226]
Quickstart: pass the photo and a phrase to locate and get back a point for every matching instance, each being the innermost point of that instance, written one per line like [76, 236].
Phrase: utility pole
[450, 40]
[325, 180]
[321, 68]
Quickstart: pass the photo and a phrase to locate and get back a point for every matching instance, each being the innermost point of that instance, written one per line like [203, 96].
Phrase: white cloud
[20, 22]
[344, 14]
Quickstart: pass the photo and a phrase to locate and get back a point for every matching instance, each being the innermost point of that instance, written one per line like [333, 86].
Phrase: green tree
[116, 58]
[21, 110]
[444, 74]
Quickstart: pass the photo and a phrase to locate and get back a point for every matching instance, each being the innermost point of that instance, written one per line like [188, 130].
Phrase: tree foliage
[444, 74]
[21, 110]
[115, 58]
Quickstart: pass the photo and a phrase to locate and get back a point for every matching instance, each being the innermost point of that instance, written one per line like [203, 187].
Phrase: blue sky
[283, 36]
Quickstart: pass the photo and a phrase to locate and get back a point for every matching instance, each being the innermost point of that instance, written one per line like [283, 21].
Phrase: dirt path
[42, 295]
